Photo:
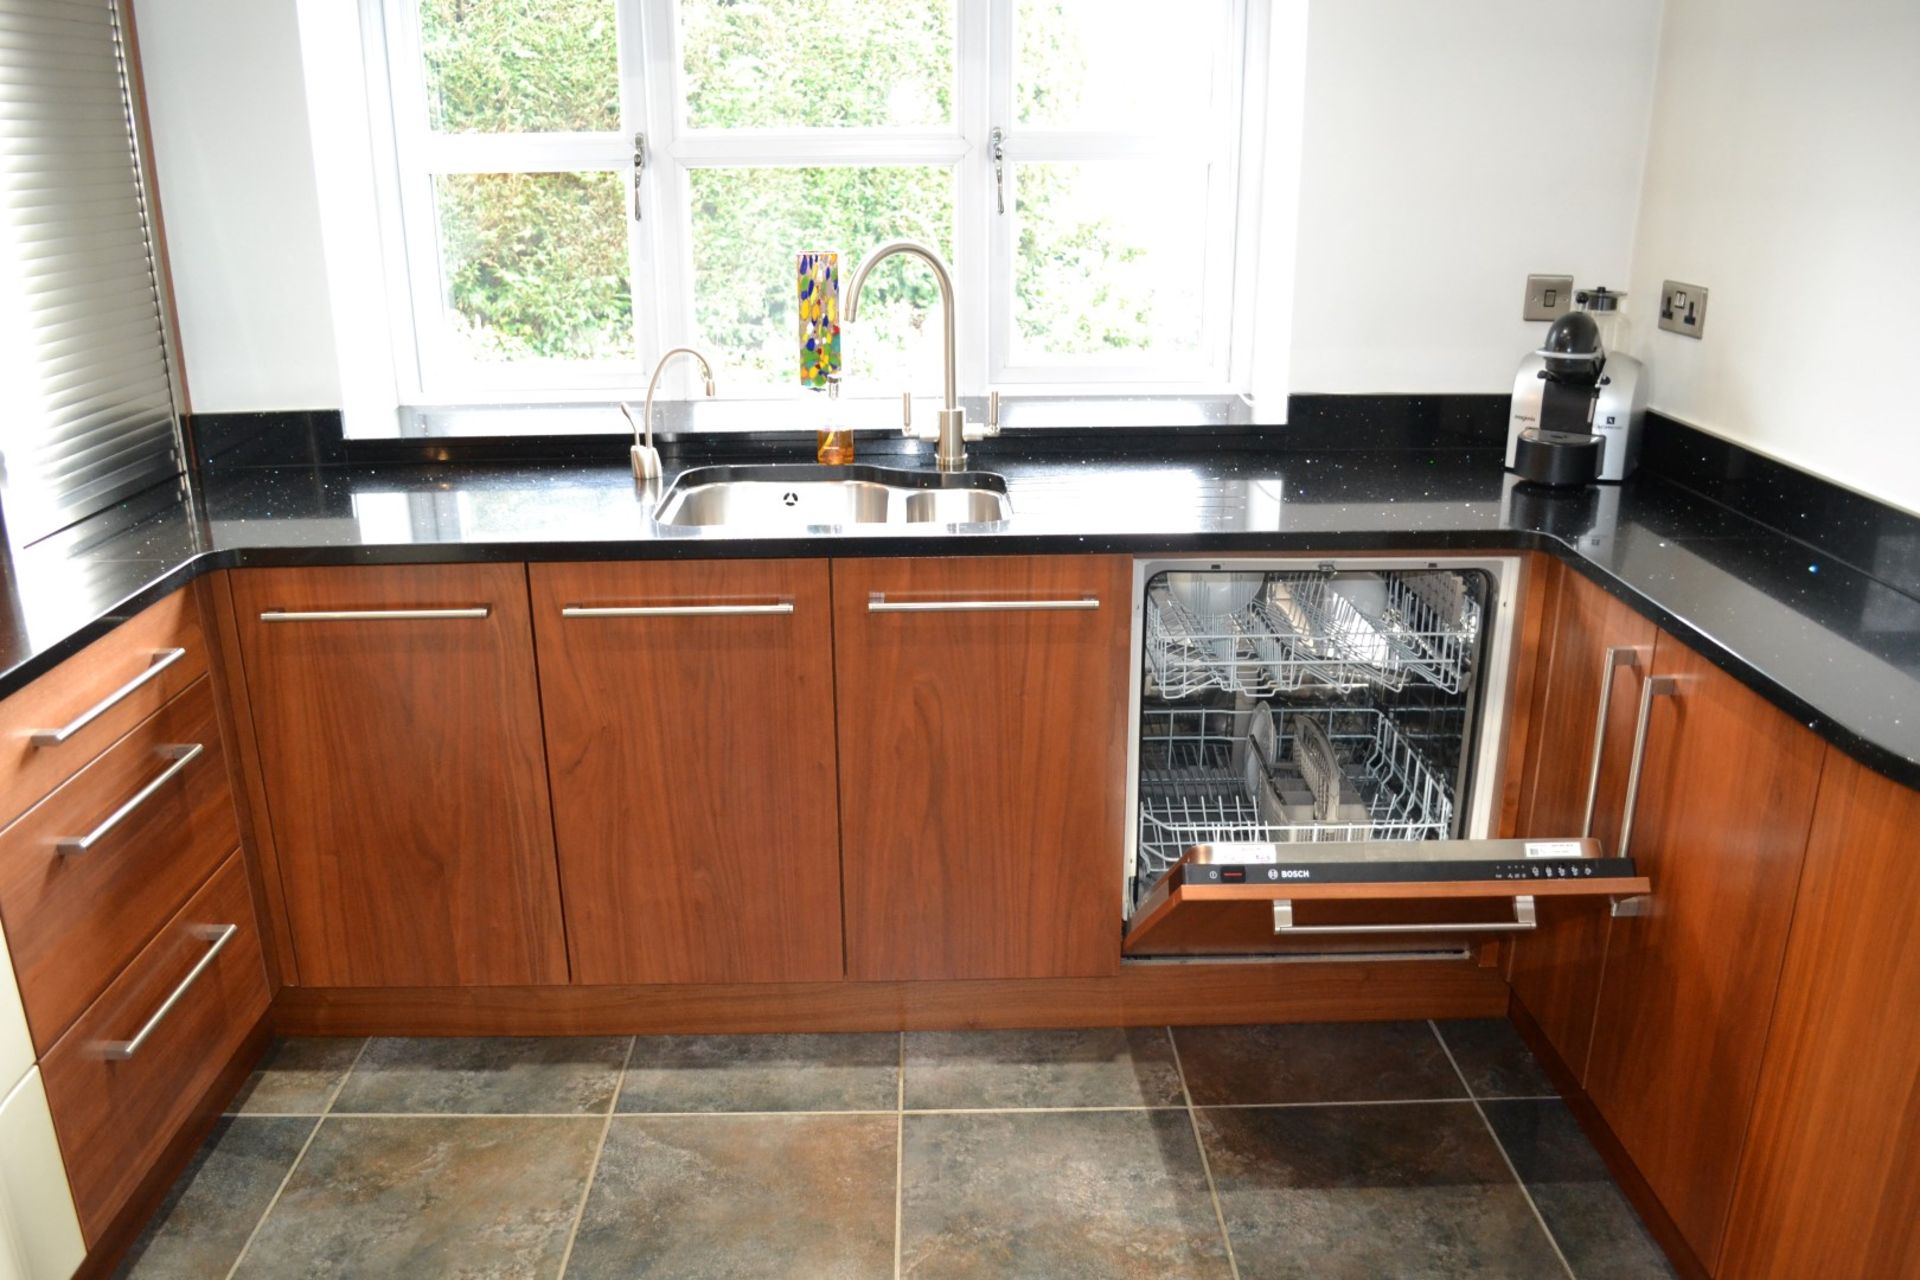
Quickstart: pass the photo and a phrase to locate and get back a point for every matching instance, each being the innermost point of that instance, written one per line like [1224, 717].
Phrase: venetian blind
[87, 412]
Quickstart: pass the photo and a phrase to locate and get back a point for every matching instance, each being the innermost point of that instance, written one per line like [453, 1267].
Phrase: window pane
[1099, 271]
[748, 227]
[1113, 64]
[535, 265]
[510, 66]
[783, 64]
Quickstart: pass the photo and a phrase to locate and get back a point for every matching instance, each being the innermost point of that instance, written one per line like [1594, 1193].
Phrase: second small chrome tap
[646, 458]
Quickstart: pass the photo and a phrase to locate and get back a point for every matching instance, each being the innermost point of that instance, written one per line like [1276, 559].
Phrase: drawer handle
[1655, 687]
[54, 737]
[183, 755]
[878, 603]
[1620, 655]
[671, 610]
[1525, 920]
[219, 935]
[371, 615]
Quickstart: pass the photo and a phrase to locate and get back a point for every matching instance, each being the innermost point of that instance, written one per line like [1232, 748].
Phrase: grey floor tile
[1417, 1192]
[741, 1196]
[1315, 1062]
[471, 1196]
[1104, 1067]
[763, 1073]
[297, 1077]
[211, 1210]
[1056, 1194]
[1494, 1059]
[1584, 1208]
[490, 1076]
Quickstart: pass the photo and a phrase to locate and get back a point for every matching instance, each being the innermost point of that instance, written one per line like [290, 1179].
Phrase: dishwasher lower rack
[1196, 787]
[1299, 630]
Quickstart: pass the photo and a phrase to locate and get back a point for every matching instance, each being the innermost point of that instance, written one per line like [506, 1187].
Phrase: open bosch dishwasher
[1315, 751]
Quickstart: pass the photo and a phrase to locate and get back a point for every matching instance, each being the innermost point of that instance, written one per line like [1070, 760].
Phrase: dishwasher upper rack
[1194, 785]
[1299, 631]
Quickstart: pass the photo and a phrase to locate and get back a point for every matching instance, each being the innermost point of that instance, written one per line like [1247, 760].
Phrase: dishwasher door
[1254, 899]
[1315, 762]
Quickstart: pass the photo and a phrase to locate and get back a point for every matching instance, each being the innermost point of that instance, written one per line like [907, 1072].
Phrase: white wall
[1784, 175]
[1415, 192]
[234, 157]
[1450, 149]
[1781, 170]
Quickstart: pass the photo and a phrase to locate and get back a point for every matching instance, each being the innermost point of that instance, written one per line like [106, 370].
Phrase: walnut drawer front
[132, 1070]
[89, 874]
[60, 723]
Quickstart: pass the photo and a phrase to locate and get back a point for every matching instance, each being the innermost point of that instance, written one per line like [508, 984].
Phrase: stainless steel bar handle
[1525, 920]
[1655, 687]
[371, 615]
[54, 737]
[183, 755]
[120, 1050]
[878, 603]
[1619, 655]
[671, 610]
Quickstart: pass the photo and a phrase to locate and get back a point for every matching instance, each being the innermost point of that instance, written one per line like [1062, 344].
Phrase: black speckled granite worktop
[1834, 647]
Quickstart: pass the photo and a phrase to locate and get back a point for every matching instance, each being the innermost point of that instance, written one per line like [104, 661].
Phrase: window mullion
[1243, 118]
[973, 203]
[1002, 227]
[419, 232]
[665, 187]
[643, 272]
[757, 147]
[522, 152]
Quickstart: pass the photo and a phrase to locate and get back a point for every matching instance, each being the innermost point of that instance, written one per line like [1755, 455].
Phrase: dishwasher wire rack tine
[1195, 789]
[1300, 631]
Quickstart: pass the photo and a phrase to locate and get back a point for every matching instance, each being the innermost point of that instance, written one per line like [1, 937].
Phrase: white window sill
[678, 418]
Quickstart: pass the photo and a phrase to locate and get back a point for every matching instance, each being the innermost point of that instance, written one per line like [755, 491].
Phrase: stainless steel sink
[799, 496]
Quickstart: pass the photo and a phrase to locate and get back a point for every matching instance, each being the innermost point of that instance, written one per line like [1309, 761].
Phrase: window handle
[997, 148]
[639, 168]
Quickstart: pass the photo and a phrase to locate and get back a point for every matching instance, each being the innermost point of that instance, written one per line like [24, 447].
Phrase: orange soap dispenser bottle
[834, 446]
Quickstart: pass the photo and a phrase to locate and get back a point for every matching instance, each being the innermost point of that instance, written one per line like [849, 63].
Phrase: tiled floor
[1406, 1149]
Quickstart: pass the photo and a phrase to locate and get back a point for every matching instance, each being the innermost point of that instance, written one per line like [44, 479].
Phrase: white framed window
[571, 186]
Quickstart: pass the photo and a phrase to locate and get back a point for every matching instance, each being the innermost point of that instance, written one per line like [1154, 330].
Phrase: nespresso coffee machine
[1577, 406]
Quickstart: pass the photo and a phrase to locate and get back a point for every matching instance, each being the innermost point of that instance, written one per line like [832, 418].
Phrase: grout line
[366, 1042]
[252, 1235]
[302, 1155]
[1334, 1102]
[900, 1160]
[1016, 1111]
[465, 1115]
[911, 1111]
[1501, 1147]
[599, 1149]
[1206, 1165]
[332, 1094]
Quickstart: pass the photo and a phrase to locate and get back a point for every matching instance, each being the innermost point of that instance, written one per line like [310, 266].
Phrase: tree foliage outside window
[748, 226]
[536, 266]
[520, 66]
[796, 64]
